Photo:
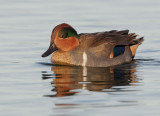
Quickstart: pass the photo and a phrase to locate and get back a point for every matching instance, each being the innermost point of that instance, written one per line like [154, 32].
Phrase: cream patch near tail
[134, 47]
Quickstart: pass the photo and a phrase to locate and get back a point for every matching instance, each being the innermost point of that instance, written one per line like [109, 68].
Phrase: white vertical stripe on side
[84, 86]
[84, 59]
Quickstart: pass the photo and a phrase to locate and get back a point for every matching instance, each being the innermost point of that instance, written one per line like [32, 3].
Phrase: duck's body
[101, 49]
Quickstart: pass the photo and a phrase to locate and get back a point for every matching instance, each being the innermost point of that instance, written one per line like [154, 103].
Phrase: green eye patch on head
[67, 32]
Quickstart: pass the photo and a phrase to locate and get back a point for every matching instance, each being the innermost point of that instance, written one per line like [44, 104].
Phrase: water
[31, 85]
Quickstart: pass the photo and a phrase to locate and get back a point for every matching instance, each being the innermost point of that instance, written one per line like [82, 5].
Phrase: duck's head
[64, 38]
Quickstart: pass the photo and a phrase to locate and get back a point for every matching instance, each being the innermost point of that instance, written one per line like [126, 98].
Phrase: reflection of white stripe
[84, 86]
[84, 72]
[84, 59]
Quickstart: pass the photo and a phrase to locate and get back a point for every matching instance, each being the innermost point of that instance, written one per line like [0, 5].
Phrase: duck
[98, 49]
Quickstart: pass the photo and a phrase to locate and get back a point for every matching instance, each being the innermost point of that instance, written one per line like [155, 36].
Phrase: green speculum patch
[67, 32]
[118, 50]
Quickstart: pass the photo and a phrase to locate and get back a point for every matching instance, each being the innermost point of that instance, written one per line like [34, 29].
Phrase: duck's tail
[135, 46]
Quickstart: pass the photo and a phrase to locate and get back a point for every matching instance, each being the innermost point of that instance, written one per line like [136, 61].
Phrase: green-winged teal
[100, 49]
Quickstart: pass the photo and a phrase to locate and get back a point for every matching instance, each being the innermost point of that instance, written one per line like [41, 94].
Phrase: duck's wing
[113, 42]
[115, 38]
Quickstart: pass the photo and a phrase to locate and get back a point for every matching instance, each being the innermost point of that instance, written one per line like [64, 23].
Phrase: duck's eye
[65, 35]
[67, 32]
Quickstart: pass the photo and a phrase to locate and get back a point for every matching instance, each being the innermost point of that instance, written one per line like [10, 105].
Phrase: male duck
[100, 49]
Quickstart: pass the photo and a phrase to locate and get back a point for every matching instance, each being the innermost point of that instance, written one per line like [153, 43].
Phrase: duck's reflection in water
[67, 78]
